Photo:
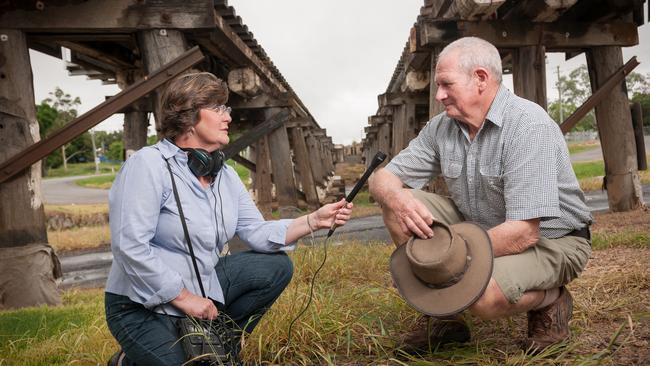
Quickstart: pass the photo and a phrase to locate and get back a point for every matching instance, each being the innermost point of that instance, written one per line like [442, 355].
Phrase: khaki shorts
[549, 264]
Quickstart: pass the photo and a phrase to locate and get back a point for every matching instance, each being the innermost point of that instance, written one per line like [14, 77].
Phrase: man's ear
[482, 76]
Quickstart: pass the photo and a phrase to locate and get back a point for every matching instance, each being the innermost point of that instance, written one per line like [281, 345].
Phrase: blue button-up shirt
[151, 261]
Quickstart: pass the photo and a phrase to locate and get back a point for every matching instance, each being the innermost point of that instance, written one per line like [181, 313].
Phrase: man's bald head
[473, 52]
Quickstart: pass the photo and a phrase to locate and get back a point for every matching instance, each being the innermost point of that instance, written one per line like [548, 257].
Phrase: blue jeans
[251, 283]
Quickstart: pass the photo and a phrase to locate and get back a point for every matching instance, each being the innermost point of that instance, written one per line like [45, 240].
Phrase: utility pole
[559, 90]
[92, 138]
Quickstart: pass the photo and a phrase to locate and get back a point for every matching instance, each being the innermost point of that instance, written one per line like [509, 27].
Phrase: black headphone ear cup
[217, 161]
[199, 162]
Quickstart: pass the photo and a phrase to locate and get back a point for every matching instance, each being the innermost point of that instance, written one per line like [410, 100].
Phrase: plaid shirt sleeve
[530, 175]
[420, 160]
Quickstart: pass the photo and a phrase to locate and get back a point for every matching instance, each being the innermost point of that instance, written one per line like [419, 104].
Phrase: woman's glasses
[220, 109]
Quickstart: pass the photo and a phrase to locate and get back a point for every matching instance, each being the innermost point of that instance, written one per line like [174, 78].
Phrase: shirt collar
[168, 149]
[498, 107]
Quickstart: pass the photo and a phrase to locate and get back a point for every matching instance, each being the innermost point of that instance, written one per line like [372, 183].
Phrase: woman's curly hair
[183, 99]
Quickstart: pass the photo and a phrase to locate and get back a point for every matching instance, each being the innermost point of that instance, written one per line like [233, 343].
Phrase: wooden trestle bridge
[140, 45]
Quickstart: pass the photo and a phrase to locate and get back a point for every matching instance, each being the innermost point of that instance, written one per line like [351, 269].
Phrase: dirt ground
[611, 317]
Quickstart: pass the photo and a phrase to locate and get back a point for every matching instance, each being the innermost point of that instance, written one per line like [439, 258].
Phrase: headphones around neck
[203, 163]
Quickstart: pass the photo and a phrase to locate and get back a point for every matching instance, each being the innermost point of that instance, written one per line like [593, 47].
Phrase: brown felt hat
[446, 274]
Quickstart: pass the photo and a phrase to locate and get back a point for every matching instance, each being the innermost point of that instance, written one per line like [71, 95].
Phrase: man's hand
[412, 215]
[195, 306]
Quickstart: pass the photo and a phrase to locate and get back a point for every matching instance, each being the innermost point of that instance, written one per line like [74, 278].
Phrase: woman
[152, 280]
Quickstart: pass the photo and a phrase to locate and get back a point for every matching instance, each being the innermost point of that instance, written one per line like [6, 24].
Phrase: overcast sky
[337, 56]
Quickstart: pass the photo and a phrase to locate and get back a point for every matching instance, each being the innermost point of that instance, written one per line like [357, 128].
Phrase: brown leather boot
[429, 333]
[549, 325]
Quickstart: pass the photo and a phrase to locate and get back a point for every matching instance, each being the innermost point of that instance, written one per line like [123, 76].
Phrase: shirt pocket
[451, 172]
[492, 186]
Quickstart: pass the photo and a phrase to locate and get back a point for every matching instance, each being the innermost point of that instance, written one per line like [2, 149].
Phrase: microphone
[378, 159]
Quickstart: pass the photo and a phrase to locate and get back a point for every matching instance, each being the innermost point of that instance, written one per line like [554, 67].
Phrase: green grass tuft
[82, 169]
[100, 182]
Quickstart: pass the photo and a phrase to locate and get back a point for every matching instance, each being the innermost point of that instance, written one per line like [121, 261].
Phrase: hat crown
[441, 260]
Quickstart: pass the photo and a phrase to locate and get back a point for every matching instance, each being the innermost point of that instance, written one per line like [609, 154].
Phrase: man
[507, 168]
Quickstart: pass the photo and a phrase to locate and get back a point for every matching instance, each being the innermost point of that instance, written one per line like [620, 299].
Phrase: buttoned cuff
[169, 291]
[279, 236]
[521, 214]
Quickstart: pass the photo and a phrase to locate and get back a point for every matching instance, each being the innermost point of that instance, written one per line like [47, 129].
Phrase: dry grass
[89, 209]
[357, 316]
[82, 238]
[349, 172]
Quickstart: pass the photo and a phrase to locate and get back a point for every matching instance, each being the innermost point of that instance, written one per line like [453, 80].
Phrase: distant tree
[46, 116]
[115, 151]
[66, 107]
[644, 100]
[576, 89]
[637, 83]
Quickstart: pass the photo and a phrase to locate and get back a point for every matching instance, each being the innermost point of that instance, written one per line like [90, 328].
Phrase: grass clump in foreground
[357, 316]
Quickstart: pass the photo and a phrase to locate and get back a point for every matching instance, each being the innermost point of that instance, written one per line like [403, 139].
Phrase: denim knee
[283, 269]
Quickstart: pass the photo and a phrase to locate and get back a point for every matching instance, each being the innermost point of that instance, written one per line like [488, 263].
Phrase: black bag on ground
[209, 342]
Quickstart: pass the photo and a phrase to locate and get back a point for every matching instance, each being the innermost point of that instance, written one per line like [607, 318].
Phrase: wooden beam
[41, 149]
[158, 47]
[512, 34]
[616, 132]
[256, 133]
[283, 177]
[536, 10]
[299, 122]
[232, 45]
[245, 82]
[21, 212]
[393, 99]
[416, 81]
[435, 107]
[96, 54]
[112, 16]
[263, 182]
[258, 102]
[604, 88]
[303, 161]
[377, 120]
[474, 9]
[245, 162]
[529, 73]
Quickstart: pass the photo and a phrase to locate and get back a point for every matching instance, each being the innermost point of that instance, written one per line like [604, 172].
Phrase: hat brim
[457, 297]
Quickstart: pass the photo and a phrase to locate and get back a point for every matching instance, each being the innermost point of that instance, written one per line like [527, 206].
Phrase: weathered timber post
[136, 125]
[438, 184]
[397, 129]
[384, 138]
[303, 160]
[135, 118]
[316, 159]
[28, 264]
[285, 186]
[328, 153]
[435, 107]
[615, 130]
[529, 73]
[263, 182]
[159, 46]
